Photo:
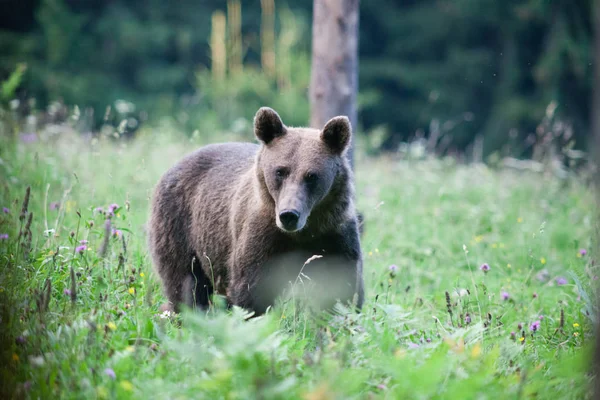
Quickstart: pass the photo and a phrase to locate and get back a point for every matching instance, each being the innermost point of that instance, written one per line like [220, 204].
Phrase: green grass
[437, 221]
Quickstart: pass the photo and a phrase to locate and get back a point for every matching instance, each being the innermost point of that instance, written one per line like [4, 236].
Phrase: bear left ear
[268, 125]
[336, 134]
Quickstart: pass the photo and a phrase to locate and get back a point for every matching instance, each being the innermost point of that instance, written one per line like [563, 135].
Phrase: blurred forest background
[460, 72]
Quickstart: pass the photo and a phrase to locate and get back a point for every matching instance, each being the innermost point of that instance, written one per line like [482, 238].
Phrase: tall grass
[80, 303]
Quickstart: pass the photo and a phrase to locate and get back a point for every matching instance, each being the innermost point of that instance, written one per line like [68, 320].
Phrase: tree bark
[595, 142]
[334, 75]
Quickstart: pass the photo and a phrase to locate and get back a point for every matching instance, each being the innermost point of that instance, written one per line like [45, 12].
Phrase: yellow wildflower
[127, 386]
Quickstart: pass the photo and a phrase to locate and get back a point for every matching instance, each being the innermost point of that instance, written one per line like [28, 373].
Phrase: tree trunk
[334, 75]
[595, 140]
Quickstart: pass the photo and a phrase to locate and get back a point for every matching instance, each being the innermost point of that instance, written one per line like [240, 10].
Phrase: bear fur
[242, 219]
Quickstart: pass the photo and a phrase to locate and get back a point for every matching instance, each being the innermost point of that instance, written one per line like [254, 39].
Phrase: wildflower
[575, 334]
[381, 386]
[20, 340]
[428, 340]
[534, 326]
[54, 206]
[15, 357]
[131, 290]
[116, 232]
[535, 295]
[412, 345]
[67, 292]
[521, 339]
[83, 241]
[467, 319]
[165, 314]
[541, 317]
[111, 374]
[113, 207]
[127, 386]
[485, 267]
[561, 281]
[112, 326]
[543, 260]
[582, 252]
[5, 210]
[142, 274]
[393, 270]
[99, 210]
[3, 236]
[28, 137]
[513, 336]
[520, 220]
[81, 249]
[505, 296]
[575, 325]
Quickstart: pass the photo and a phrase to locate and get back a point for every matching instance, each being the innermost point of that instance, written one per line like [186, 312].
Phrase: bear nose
[289, 219]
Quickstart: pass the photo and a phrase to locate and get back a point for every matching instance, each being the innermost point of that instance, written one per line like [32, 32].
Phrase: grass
[434, 326]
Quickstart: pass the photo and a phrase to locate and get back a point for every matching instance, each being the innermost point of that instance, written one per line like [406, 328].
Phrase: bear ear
[336, 134]
[268, 125]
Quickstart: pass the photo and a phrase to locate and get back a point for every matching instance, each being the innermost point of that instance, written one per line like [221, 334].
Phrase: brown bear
[241, 219]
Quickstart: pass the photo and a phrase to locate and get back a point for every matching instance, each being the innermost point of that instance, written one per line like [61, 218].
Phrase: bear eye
[311, 178]
[281, 172]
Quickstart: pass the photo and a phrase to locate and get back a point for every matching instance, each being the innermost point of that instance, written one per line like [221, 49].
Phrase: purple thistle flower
[505, 296]
[5, 210]
[113, 207]
[535, 295]
[67, 292]
[111, 374]
[561, 281]
[582, 252]
[28, 137]
[393, 268]
[485, 267]
[381, 386]
[20, 340]
[116, 232]
[81, 249]
[541, 317]
[54, 206]
[519, 326]
[412, 345]
[428, 340]
[467, 319]
[99, 210]
[513, 336]
[3, 236]
[534, 326]
[83, 241]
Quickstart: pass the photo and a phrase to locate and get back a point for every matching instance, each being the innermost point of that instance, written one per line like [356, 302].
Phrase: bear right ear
[268, 125]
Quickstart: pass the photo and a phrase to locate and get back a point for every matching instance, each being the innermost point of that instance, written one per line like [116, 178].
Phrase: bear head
[299, 169]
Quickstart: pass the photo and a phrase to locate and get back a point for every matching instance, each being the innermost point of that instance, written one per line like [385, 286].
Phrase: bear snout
[289, 220]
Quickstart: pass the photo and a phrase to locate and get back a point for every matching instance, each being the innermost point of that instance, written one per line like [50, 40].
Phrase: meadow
[479, 284]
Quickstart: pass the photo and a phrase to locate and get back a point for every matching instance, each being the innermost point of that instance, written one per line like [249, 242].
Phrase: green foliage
[9, 86]
[85, 323]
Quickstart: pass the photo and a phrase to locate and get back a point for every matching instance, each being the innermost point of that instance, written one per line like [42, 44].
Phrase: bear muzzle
[290, 220]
